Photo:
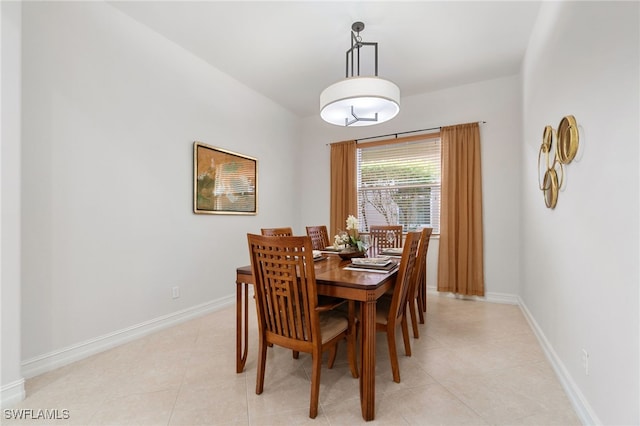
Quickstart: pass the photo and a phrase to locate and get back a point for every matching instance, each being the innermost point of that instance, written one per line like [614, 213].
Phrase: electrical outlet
[175, 292]
[585, 361]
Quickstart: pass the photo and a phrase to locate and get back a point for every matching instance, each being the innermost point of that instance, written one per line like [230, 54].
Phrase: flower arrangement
[350, 237]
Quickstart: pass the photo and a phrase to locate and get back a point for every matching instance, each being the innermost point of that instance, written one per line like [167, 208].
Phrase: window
[399, 183]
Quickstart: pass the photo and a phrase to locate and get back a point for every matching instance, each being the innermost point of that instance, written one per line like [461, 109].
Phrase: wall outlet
[175, 292]
[585, 361]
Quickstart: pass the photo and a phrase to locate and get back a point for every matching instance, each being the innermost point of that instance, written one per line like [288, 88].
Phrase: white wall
[498, 103]
[580, 261]
[11, 381]
[110, 113]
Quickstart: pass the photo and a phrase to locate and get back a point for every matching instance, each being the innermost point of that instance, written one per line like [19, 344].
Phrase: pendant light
[359, 100]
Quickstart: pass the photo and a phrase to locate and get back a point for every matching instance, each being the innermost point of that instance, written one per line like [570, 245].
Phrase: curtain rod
[404, 133]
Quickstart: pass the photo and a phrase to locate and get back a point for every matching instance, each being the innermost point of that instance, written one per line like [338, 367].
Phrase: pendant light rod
[356, 44]
[348, 122]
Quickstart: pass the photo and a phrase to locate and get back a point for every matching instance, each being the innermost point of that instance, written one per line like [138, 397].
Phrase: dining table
[332, 279]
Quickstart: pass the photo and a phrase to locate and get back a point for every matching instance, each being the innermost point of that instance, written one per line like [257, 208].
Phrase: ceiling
[290, 51]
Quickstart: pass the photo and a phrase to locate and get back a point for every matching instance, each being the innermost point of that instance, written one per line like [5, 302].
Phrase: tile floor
[475, 363]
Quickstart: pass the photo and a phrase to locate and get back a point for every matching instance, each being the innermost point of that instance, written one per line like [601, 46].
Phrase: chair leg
[414, 319]
[262, 361]
[295, 354]
[423, 296]
[315, 383]
[333, 351]
[421, 310]
[405, 335]
[393, 353]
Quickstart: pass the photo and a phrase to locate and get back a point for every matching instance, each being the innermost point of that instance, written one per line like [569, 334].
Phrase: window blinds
[399, 183]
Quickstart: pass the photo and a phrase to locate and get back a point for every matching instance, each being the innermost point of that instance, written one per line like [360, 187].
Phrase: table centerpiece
[349, 242]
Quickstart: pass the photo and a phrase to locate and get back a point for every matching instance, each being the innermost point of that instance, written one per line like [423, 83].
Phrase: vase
[351, 252]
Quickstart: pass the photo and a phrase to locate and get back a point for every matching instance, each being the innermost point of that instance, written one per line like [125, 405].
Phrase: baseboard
[580, 404]
[47, 362]
[583, 409]
[12, 393]
[492, 297]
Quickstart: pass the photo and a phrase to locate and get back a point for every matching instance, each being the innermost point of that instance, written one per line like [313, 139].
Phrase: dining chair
[277, 232]
[391, 311]
[288, 311]
[288, 232]
[319, 237]
[385, 236]
[418, 285]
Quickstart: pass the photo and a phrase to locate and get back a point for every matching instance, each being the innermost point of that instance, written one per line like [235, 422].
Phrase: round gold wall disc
[547, 138]
[550, 188]
[568, 139]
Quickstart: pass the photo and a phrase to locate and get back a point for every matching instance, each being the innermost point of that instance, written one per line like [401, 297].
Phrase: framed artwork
[224, 182]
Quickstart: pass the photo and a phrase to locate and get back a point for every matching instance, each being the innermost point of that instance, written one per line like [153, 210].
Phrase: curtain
[460, 260]
[344, 199]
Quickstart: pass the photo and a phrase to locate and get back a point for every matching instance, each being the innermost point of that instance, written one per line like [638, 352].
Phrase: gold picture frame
[224, 182]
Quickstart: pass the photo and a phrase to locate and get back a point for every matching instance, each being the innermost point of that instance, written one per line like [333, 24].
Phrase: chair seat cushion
[382, 310]
[332, 323]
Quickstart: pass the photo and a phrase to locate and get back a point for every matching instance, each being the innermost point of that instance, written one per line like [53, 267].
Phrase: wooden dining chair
[418, 285]
[391, 311]
[319, 237]
[277, 232]
[288, 311]
[380, 240]
[288, 232]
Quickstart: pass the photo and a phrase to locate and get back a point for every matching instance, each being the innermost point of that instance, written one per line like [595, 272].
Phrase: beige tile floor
[475, 363]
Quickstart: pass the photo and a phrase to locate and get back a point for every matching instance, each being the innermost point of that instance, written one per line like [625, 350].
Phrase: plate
[378, 261]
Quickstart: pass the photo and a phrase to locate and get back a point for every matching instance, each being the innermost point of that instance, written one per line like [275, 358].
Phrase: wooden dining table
[331, 280]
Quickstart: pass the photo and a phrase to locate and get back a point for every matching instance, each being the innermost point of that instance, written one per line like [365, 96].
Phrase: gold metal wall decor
[568, 139]
[556, 157]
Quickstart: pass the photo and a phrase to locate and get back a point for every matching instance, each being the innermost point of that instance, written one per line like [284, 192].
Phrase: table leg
[242, 325]
[368, 360]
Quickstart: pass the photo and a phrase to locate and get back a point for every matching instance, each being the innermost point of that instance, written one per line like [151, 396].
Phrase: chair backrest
[420, 270]
[285, 288]
[405, 274]
[379, 238]
[277, 232]
[319, 237]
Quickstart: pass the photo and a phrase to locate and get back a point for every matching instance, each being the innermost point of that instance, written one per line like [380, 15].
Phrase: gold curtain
[344, 199]
[460, 260]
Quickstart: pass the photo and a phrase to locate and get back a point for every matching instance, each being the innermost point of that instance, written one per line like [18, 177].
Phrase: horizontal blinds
[400, 184]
